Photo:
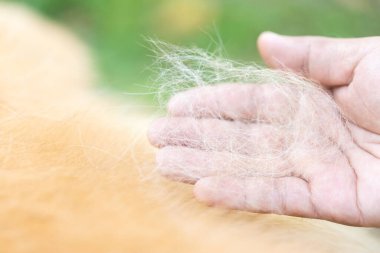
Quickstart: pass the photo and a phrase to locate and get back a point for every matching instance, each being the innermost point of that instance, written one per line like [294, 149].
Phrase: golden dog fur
[75, 170]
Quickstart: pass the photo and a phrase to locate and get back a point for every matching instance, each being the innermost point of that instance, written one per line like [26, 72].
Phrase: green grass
[115, 29]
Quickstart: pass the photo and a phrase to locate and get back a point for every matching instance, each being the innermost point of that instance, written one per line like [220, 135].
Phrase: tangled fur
[296, 117]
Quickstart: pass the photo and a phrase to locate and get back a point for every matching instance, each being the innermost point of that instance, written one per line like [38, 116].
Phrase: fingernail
[220, 191]
[205, 190]
[155, 132]
[176, 104]
[269, 37]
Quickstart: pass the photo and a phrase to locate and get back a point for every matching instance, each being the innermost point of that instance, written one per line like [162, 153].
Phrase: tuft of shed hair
[309, 127]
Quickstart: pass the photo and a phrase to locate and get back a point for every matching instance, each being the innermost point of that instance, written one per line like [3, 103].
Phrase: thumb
[330, 61]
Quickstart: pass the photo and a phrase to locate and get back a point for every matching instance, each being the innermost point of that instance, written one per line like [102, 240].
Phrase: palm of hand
[343, 189]
[349, 68]
[360, 102]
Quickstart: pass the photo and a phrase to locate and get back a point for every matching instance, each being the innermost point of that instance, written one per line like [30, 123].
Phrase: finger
[286, 195]
[329, 61]
[188, 165]
[216, 135]
[235, 101]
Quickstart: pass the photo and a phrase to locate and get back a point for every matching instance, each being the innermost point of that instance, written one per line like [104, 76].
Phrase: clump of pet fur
[310, 126]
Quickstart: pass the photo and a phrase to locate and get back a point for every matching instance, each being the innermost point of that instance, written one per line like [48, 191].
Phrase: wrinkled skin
[344, 190]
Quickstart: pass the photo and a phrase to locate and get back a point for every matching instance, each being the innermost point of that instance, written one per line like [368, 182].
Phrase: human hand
[344, 191]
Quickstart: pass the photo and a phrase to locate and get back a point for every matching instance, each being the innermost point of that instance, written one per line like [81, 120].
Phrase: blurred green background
[116, 29]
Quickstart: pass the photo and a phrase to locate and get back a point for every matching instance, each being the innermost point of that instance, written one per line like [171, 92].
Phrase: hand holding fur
[275, 142]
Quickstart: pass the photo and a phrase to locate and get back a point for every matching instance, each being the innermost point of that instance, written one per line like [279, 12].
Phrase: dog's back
[76, 173]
